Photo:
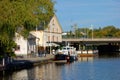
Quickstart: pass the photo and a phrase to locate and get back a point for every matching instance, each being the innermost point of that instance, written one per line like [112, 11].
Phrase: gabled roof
[54, 16]
[57, 21]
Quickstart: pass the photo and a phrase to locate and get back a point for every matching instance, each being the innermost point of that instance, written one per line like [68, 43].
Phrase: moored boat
[67, 53]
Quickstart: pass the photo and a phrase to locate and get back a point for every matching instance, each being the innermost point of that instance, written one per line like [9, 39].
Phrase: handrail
[94, 39]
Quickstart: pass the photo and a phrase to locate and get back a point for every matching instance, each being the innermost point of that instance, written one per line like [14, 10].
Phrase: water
[83, 69]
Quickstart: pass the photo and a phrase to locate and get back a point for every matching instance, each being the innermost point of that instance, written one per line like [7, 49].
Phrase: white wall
[23, 45]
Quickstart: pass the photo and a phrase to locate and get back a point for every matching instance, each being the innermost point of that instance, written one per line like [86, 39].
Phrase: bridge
[101, 44]
[92, 40]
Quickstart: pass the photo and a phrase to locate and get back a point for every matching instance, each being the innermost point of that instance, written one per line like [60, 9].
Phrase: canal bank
[26, 62]
[90, 68]
[38, 60]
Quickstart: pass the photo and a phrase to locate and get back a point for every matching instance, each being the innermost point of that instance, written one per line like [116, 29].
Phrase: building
[25, 46]
[40, 39]
[50, 36]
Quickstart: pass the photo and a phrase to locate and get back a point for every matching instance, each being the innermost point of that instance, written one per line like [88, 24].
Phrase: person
[39, 53]
[32, 53]
[44, 53]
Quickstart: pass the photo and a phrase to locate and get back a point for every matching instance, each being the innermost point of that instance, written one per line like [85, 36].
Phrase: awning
[51, 44]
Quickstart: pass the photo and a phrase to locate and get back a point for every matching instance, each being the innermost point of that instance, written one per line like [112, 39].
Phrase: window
[17, 47]
[53, 38]
[48, 38]
[57, 38]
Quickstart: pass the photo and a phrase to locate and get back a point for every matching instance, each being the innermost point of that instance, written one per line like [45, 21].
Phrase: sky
[84, 13]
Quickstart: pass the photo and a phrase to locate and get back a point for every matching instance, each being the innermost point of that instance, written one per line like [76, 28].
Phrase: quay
[38, 60]
[26, 62]
[29, 62]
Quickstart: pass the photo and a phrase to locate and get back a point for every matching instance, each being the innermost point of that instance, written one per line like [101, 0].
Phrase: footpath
[26, 62]
[35, 60]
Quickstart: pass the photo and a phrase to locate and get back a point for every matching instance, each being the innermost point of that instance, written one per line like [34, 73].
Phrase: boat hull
[65, 57]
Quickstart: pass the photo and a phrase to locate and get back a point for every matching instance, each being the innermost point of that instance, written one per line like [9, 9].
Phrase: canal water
[87, 68]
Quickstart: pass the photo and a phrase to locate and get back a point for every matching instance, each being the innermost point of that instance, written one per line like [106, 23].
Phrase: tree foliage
[105, 32]
[22, 16]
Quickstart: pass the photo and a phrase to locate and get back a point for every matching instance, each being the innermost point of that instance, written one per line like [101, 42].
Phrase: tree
[105, 32]
[22, 16]
[109, 31]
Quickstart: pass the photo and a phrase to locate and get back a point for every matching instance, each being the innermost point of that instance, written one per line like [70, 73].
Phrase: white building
[25, 46]
[50, 35]
[39, 38]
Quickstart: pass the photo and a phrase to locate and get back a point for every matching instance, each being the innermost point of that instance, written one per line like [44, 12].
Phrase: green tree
[109, 31]
[105, 32]
[21, 16]
[117, 34]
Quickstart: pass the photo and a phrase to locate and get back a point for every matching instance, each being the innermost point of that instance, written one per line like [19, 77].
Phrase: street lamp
[92, 30]
[37, 46]
[50, 39]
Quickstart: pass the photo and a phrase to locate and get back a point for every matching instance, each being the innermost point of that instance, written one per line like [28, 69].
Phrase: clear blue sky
[99, 13]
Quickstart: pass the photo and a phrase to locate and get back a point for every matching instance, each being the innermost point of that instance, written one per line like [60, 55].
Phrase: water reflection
[85, 59]
[86, 68]
[41, 72]
[45, 72]
[50, 71]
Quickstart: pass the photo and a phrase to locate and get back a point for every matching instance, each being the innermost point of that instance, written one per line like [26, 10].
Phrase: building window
[17, 48]
[57, 38]
[53, 38]
[48, 38]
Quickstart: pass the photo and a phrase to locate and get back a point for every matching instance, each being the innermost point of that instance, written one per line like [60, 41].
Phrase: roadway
[92, 40]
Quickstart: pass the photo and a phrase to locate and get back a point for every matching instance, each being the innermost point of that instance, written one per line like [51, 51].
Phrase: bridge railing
[91, 39]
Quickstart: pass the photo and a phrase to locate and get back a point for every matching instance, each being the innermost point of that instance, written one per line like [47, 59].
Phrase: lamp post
[75, 28]
[44, 39]
[50, 39]
[92, 30]
[36, 42]
[37, 46]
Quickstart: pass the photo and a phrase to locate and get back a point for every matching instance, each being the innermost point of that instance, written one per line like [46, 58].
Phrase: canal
[86, 68]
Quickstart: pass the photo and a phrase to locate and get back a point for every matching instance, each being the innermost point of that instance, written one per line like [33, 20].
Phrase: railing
[90, 39]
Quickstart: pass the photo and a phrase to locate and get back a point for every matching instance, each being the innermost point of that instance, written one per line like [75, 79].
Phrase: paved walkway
[34, 59]
[27, 62]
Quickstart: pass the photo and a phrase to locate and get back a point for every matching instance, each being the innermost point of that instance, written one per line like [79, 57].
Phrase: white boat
[87, 51]
[66, 53]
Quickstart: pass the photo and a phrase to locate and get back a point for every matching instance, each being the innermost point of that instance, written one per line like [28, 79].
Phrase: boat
[67, 53]
[87, 53]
